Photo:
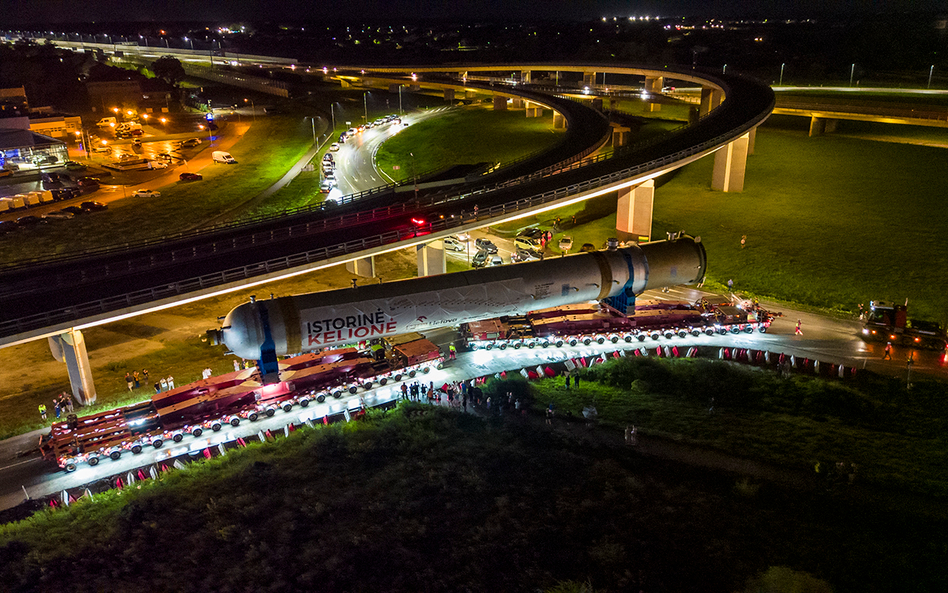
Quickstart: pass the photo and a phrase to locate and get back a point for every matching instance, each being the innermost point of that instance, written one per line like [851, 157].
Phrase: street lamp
[253, 108]
[930, 72]
[210, 138]
[852, 70]
[332, 113]
[313, 121]
[781, 74]
[365, 106]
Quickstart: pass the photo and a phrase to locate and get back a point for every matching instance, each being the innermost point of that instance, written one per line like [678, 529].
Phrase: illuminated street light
[852, 71]
[930, 72]
[253, 109]
[781, 74]
[163, 120]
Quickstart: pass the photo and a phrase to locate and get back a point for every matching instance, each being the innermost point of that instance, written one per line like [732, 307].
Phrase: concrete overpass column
[534, 110]
[500, 103]
[654, 84]
[70, 348]
[634, 214]
[589, 79]
[470, 94]
[751, 140]
[364, 266]
[559, 122]
[344, 84]
[431, 260]
[620, 135]
[717, 97]
[526, 77]
[518, 103]
[597, 104]
[817, 126]
[831, 126]
[449, 95]
[729, 165]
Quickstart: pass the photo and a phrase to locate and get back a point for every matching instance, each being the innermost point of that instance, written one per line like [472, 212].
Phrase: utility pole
[313, 121]
[852, 71]
[930, 72]
[365, 106]
[400, 112]
[781, 74]
[332, 113]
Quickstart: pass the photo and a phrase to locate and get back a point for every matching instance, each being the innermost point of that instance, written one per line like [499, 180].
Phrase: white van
[220, 156]
[106, 122]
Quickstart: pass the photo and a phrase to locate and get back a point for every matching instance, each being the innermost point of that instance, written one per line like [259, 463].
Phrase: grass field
[469, 136]
[181, 205]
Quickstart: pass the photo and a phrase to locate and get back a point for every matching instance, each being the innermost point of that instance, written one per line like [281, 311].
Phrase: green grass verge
[503, 507]
[181, 205]
[465, 136]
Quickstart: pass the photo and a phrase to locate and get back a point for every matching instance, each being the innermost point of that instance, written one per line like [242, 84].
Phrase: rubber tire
[489, 347]
[668, 335]
[353, 390]
[115, 455]
[178, 438]
[253, 417]
[586, 341]
[197, 432]
[503, 346]
[304, 403]
[600, 340]
[136, 449]
[735, 330]
[440, 366]
[641, 337]
[70, 467]
[367, 385]
[216, 427]
[532, 345]
[412, 373]
[614, 339]
[682, 333]
[235, 421]
[722, 331]
[398, 377]
[157, 443]
[762, 330]
[559, 343]
[656, 336]
[573, 342]
[425, 370]
[749, 329]
[518, 345]
[93, 461]
[336, 394]
[628, 339]
[695, 333]
[383, 381]
[321, 397]
[472, 347]
[709, 332]
[287, 407]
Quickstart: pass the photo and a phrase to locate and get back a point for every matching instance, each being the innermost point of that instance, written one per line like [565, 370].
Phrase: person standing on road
[129, 380]
[452, 352]
[236, 365]
[135, 376]
[799, 330]
[42, 411]
[887, 352]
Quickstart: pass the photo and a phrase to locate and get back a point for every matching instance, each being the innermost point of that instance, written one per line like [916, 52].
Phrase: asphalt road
[824, 338]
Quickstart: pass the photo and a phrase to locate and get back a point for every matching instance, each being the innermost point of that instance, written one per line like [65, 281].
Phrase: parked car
[102, 148]
[74, 210]
[334, 147]
[532, 233]
[330, 176]
[523, 255]
[93, 206]
[190, 176]
[137, 132]
[74, 166]
[58, 215]
[566, 243]
[325, 186]
[30, 221]
[146, 193]
[328, 158]
[528, 243]
[191, 142]
[455, 244]
[480, 259]
[7, 226]
[485, 245]
[163, 156]
[5, 172]
[496, 260]
[65, 193]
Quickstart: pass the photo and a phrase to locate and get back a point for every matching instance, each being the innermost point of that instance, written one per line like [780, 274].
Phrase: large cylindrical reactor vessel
[262, 330]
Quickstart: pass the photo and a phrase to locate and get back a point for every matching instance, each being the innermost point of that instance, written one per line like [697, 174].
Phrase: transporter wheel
[695, 333]
[336, 394]
[353, 389]
[253, 417]
[321, 397]
[425, 370]
[600, 340]
[682, 333]
[287, 407]
[93, 461]
[304, 403]
[559, 343]
[216, 427]
[412, 373]
[472, 347]
[70, 466]
[722, 331]
[115, 455]
[136, 449]
[641, 337]
[197, 432]
[234, 421]
[367, 385]
[573, 342]
[489, 346]
[177, 438]
[628, 339]
[546, 344]
[440, 366]
[656, 336]
[398, 377]
[269, 412]
[669, 335]
[383, 380]
[614, 339]
[709, 332]
[503, 346]
[749, 329]
[517, 346]
[735, 330]
[532, 345]
[762, 329]
[586, 341]
[157, 443]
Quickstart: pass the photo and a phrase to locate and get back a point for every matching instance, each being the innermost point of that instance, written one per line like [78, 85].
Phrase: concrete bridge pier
[393, 88]
[500, 103]
[822, 125]
[653, 85]
[751, 140]
[597, 104]
[449, 95]
[518, 103]
[364, 267]
[534, 110]
[730, 162]
[621, 135]
[559, 122]
[431, 259]
[710, 98]
[526, 77]
[70, 348]
[589, 79]
[634, 212]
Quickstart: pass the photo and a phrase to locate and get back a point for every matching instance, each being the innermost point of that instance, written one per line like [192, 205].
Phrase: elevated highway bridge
[56, 298]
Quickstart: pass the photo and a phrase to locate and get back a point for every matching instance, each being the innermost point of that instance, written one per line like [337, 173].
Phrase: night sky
[19, 12]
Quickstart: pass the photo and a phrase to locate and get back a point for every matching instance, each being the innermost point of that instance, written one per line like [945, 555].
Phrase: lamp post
[781, 74]
[313, 121]
[253, 108]
[332, 113]
[365, 106]
[852, 71]
[400, 112]
[930, 72]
